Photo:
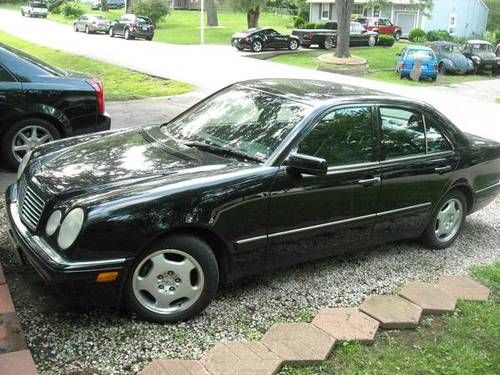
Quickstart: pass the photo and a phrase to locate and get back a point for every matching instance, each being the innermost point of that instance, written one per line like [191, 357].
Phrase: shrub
[154, 9]
[497, 35]
[309, 25]
[298, 22]
[386, 40]
[416, 33]
[320, 26]
[55, 6]
[434, 35]
[72, 10]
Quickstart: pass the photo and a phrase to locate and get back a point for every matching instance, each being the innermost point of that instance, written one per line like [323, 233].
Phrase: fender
[36, 109]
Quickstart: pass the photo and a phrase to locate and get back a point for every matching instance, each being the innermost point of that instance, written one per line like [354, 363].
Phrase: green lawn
[183, 26]
[466, 342]
[381, 61]
[119, 83]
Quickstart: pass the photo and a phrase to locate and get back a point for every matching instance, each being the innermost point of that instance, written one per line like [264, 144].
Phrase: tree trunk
[253, 17]
[104, 5]
[212, 19]
[130, 6]
[344, 11]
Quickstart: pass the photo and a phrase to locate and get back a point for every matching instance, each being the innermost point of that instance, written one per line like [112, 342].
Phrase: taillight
[99, 90]
[310, 35]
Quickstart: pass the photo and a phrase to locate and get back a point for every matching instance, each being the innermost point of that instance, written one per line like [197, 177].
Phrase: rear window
[420, 54]
[144, 20]
[39, 5]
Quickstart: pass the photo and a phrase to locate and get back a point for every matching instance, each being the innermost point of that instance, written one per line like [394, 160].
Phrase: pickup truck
[327, 38]
[381, 26]
[35, 9]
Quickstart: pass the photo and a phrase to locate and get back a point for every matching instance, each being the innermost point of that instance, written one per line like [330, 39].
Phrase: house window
[376, 11]
[452, 23]
[325, 11]
[358, 9]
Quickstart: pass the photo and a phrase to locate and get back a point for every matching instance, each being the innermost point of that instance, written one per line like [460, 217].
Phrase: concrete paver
[2, 275]
[174, 367]
[17, 363]
[347, 324]
[392, 312]
[430, 298]
[6, 304]
[298, 342]
[463, 287]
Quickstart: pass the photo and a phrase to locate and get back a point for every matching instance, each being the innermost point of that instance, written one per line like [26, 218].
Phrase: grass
[381, 61]
[183, 26]
[465, 342]
[119, 83]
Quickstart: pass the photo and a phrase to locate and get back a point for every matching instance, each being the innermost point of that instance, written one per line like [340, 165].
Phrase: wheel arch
[464, 187]
[43, 116]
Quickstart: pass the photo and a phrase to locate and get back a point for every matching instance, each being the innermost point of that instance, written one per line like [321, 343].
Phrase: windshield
[451, 48]
[247, 121]
[39, 5]
[101, 18]
[482, 47]
[420, 54]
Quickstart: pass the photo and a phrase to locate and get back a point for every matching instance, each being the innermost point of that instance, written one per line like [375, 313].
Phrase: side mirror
[305, 164]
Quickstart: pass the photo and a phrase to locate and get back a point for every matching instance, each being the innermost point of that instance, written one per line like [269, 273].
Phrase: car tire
[110, 32]
[397, 35]
[43, 128]
[446, 221]
[167, 279]
[327, 44]
[293, 45]
[149, 38]
[87, 30]
[442, 68]
[22, 13]
[257, 46]
[75, 27]
[127, 34]
[372, 41]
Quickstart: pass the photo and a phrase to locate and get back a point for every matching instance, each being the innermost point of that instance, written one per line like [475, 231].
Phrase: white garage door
[407, 21]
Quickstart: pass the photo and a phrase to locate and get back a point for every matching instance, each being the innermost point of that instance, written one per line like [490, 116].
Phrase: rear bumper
[75, 280]
[142, 34]
[423, 73]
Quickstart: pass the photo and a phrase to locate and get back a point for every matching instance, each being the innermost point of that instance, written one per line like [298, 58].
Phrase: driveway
[211, 67]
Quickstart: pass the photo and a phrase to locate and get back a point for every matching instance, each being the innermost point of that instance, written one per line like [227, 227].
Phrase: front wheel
[127, 34]
[174, 280]
[372, 41]
[293, 45]
[110, 32]
[446, 221]
[75, 28]
[87, 31]
[442, 68]
[397, 35]
[327, 44]
[257, 46]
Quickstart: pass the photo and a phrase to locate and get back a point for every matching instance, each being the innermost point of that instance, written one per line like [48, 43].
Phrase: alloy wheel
[328, 43]
[448, 220]
[168, 281]
[257, 46]
[294, 45]
[28, 138]
[372, 41]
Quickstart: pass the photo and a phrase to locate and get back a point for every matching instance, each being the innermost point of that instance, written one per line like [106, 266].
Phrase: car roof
[477, 41]
[419, 47]
[442, 43]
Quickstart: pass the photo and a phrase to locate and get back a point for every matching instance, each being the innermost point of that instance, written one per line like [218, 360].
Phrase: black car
[262, 174]
[112, 4]
[258, 39]
[40, 103]
[132, 26]
[482, 55]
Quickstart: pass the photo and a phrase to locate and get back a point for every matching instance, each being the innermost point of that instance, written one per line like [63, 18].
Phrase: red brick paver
[174, 367]
[11, 335]
[463, 287]
[298, 342]
[392, 312]
[430, 298]
[238, 358]
[347, 324]
[6, 305]
[17, 363]
[2, 276]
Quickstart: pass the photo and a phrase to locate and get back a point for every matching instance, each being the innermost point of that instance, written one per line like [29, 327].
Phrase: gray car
[451, 59]
[91, 23]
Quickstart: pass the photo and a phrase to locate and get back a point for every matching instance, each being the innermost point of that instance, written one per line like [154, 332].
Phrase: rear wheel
[327, 44]
[257, 46]
[446, 221]
[174, 280]
[25, 135]
[293, 45]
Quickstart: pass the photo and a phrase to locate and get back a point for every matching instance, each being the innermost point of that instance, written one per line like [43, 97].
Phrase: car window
[482, 48]
[342, 137]
[5, 76]
[420, 54]
[403, 132]
[143, 20]
[436, 141]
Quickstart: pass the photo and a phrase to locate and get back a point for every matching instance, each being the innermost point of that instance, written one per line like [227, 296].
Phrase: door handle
[444, 169]
[370, 181]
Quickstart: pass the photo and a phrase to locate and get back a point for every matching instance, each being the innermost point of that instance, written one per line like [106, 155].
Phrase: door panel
[11, 98]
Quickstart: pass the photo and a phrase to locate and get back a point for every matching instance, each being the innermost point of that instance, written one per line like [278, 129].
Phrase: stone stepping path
[289, 343]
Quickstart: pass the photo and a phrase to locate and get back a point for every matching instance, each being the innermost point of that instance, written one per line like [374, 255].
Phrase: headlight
[53, 222]
[23, 164]
[70, 228]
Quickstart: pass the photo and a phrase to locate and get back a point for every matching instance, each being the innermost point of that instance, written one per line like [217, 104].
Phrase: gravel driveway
[68, 341]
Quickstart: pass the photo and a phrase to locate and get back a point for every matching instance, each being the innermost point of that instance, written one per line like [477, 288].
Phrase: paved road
[212, 67]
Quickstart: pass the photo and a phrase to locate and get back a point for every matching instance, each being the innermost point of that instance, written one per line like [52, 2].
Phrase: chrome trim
[43, 249]
[404, 158]
[332, 223]
[341, 168]
[497, 184]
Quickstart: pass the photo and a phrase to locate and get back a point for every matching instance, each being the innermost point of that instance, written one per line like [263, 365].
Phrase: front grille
[30, 205]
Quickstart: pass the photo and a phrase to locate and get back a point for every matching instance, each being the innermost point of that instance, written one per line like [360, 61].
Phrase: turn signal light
[106, 277]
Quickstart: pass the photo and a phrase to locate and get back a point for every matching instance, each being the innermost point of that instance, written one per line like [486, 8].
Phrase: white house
[460, 17]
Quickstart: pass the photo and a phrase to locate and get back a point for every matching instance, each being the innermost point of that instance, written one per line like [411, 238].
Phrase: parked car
[258, 39]
[497, 52]
[424, 55]
[112, 4]
[35, 9]
[91, 23]
[132, 26]
[450, 58]
[482, 55]
[40, 103]
[381, 26]
[262, 174]
[327, 38]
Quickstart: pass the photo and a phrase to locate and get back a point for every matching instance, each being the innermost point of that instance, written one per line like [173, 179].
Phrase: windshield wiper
[221, 150]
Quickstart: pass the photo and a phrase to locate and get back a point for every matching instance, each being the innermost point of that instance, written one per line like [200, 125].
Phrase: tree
[104, 5]
[154, 9]
[252, 9]
[129, 6]
[212, 19]
[344, 11]
[493, 15]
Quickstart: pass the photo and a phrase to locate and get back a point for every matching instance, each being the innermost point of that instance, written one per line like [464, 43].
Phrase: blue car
[411, 54]
[451, 59]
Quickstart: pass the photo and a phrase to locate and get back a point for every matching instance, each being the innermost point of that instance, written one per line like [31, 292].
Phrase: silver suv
[35, 9]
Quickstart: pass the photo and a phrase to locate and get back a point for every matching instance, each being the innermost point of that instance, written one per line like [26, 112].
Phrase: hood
[456, 57]
[119, 159]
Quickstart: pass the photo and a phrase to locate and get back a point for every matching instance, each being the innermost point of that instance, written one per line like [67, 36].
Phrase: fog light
[106, 277]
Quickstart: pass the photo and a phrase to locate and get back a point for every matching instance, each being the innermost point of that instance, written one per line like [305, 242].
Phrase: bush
[434, 35]
[416, 33]
[497, 36]
[55, 6]
[386, 40]
[72, 10]
[309, 25]
[298, 22]
[154, 9]
[320, 26]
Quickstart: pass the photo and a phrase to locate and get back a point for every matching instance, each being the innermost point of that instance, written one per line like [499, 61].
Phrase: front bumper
[73, 279]
[240, 43]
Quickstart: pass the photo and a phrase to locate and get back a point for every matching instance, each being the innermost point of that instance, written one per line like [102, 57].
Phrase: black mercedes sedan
[259, 39]
[131, 26]
[40, 103]
[262, 174]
